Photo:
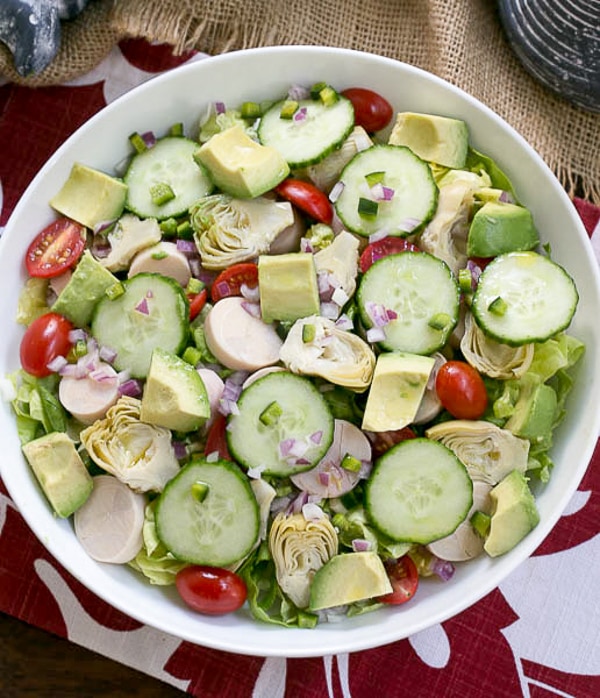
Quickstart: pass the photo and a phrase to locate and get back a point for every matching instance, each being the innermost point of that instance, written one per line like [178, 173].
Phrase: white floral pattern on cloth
[527, 638]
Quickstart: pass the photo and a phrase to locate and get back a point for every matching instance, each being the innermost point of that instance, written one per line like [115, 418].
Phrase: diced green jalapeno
[138, 142]
[351, 463]
[440, 321]
[161, 193]
[200, 491]
[481, 522]
[367, 208]
[271, 414]
[374, 178]
[308, 333]
[288, 109]
[498, 306]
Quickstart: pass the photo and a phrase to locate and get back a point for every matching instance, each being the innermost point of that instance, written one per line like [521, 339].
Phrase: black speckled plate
[558, 42]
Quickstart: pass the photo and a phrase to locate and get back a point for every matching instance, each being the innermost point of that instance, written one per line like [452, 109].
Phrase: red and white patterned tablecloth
[537, 635]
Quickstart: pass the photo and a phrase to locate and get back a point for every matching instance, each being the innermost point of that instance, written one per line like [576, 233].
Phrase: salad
[302, 358]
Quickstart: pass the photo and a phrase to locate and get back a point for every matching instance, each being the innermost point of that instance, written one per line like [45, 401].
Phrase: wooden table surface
[36, 663]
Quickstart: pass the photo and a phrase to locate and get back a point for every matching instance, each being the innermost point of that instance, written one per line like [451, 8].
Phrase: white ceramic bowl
[261, 74]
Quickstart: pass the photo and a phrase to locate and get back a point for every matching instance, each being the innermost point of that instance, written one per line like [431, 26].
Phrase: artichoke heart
[229, 230]
[138, 454]
[336, 355]
[299, 548]
[488, 452]
[491, 357]
[340, 261]
[446, 234]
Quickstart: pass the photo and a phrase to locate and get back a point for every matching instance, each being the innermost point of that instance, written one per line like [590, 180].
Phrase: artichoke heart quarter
[299, 548]
[136, 453]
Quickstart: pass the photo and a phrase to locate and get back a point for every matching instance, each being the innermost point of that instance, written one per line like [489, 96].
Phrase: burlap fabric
[459, 40]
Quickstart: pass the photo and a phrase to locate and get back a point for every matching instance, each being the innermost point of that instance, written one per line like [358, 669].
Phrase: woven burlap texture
[459, 40]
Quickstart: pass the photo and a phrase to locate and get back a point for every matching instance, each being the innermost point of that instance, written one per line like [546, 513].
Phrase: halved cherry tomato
[211, 590]
[46, 338]
[382, 441]
[197, 302]
[308, 198]
[55, 249]
[404, 579]
[216, 439]
[382, 248]
[371, 111]
[461, 390]
[229, 281]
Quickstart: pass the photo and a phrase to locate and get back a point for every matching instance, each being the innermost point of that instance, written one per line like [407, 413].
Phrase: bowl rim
[345, 641]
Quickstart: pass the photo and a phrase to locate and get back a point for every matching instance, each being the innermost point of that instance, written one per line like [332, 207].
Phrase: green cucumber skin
[415, 191]
[553, 298]
[427, 304]
[271, 124]
[284, 388]
[113, 321]
[180, 524]
[188, 179]
[444, 494]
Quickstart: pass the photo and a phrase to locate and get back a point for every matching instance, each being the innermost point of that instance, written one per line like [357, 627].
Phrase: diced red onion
[220, 107]
[377, 313]
[102, 226]
[336, 191]
[107, 354]
[306, 245]
[506, 198]
[300, 114]
[361, 545]
[77, 335]
[329, 310]
[337, 224]
[179, 448]
[362, 141]
[340, 296]
[222, 288]
[476, 271]
[69, 370]
[250, 293]
[187, 247]
[312, 512]
[316, 437]
[297, 504]
[344, 322]
[196, 267]
[285, 446]
[149, 139]
[409, 224]
[251, 308]
[378, 235]
[130, 388]
[256, 472]
[212, 457]
[376, 334]
[298, 93]
[57, 364]
[142, 307]
[365, 469]
[444, 569]
[324, 478]
[104, 373]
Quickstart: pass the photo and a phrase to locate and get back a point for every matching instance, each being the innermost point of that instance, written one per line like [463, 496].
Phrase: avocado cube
[498, 228]
[90, 197]
[514, 514]
[535, 412]
[437, 139]
[87, 285]
[288, 287]
[174, 396]
[396, 391]
[60, 472]
[240, 166]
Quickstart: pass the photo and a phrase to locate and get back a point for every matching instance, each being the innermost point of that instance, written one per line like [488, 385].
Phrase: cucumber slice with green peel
[418, 492]
[524, 297]
[314, 131]
[152, 312]
[419, 295]
[208, 514]
[402, 200]
[284, 425]
[168, 166]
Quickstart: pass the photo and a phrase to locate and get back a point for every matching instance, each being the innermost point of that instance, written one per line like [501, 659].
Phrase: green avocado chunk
[498, 227]
[535, 412]
[87, 285]
[347, 578]
[437, 139]
[288, 286]
[60, 471]
[514, 514]
[240, 166]
[90, 197]
[174, 395]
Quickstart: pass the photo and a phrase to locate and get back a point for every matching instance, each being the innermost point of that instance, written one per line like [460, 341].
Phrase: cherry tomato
[461, 390]
[308, 198]
[229, 281]
[197, 302]
[404, 579]
[211, 590]
[371, 111]
[46, 338]
[382, 248]
[216, 439]
[55, 249]
[382, 441]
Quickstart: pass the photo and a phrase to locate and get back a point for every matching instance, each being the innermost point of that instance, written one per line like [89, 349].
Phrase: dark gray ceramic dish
[558, 42]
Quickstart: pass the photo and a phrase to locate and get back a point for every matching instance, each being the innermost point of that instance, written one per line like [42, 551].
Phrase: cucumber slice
[537, 298]
[307, 140]
[151, 313]
[218, 527]
[295, 440]
[169, 162]
[418, 492]
[406, 178]
[423, 293]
